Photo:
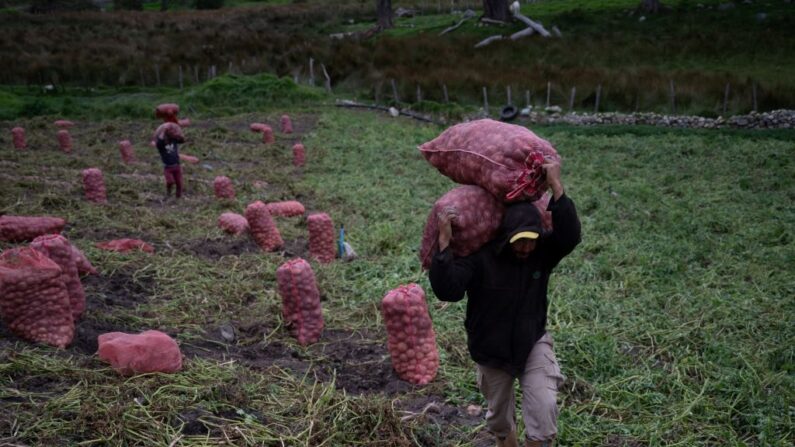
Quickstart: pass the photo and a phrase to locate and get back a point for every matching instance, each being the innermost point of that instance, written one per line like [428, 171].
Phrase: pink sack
[289, 208]
[301, 309]
[267, 134]
[65, 141]
[504, 159]
[410, 336]
[126, 151]
[188, 159]
[18, 135]
[299, 155]
[256, 127]
[27, 228]
[84, 266]
[262, 227]
[167, 112]
[147, 352]
[233, 223]
[223, 187]
[34, 302]
[59, 250]
[321, 237]
[64, 124]
[169, 131]
[287, 124]
[185, 122]
[479, 217]
[94, 185]
[125, 245]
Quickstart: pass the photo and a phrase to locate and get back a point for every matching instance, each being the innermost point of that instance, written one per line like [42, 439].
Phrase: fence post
[419, 93]
[571, 98]
[377, 93]
[673, 98]
[598, 96]
[196, 73]
[726, 98]
[328, 78]
[508, 94]
[446, 97]
[486, 101]
[527, 98]
[549, 89]
[311, 71]
[395, 96]
[157, 74]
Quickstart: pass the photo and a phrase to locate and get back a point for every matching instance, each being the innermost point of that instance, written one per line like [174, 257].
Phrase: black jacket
[169, 151]
[507, 307]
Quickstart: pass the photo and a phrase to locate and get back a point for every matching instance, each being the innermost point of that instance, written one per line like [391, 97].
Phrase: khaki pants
[539, 384]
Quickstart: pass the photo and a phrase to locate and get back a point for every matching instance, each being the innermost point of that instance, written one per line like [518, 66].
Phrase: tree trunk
[496, 9]
[383, 9]
[650, 6]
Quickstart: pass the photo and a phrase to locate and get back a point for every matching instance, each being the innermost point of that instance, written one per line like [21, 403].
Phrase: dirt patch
[296, 248]
[218, 248]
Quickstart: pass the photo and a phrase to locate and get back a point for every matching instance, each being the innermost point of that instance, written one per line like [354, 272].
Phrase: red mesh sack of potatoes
[147, 352]
[288, 208]
[125, 245]
[299, 154]
[287, 124]
[84, 266]
[18, 135]
[167, 112]
[27, 228]
[169, 130]
[410, 336]
[479, 216]
[185, 122]
[262, 227]
[64, 124]
[223, 187]
[233, 223]
[256, 127]
[301, 309]
[504, 159]
[126, 151]
[188, 159]
[321, 237]
[34, 302]
[59, 250]
[65, 141]
[94, 185]
[267, 134]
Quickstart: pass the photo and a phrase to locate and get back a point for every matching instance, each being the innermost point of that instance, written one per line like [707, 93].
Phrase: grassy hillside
[671, 319]
[700, 49]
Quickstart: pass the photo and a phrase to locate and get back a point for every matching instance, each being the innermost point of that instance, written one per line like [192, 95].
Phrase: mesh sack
[262, 227]
[126, 151]
[288, 208]
[169, 131]
[411, 339]
[321, 237]
[256, 127]
[94, 185]
[147, 352]
[64, 124]
[223, 187]
[504, 159]
[34, 302]
[84, 266]
[167, 111]
[267, 134]
[287, 124]
[301, 309]
[27, 228]
[479, 217]
[125, 245]
[18, 135]
[59, 250]
[65, 141]
[299, 154]
[232, 223]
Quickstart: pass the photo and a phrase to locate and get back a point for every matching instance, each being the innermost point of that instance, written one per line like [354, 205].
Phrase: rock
[227, 333]
[642, 19]
[553, 109]
[525, 111]
[394, 112]
[405, 12]
[474, 410]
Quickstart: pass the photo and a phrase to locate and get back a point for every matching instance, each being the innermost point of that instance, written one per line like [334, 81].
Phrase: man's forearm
[557, 189]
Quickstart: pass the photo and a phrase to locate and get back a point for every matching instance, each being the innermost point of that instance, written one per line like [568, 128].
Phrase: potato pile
[35, 302]
[321, 237]
[63, 124]
[287, 124]
[479, 217]
[299, 155]
[223, 187]
[288, 208]
[18, 135]
[504, 159]
[94, 185]
[27, 228]
[267, 134]
[301, 309]
[262, 227]
[233, 223]
[60, 251]
[65, 141]
[126, 151]
[149, 351]
[411, 338]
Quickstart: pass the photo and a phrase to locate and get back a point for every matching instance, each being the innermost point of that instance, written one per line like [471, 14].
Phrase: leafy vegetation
[671, 320]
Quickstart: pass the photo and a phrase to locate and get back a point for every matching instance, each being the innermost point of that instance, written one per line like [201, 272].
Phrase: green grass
[672, 319]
